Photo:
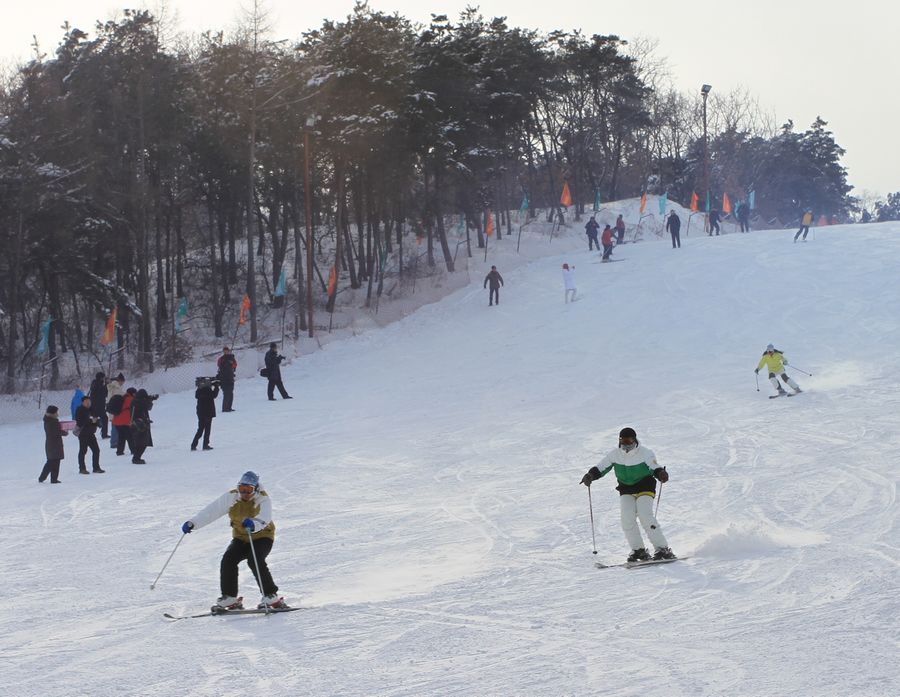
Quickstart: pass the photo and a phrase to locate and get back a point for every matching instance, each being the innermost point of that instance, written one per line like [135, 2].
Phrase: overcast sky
[800, 58]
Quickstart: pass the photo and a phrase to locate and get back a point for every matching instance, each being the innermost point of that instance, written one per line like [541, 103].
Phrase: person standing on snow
[774, 360]
[743, 214]
[250, 511]
[227, 365]
[98, 393]
[804, 225]
[496, 280]
[273, 373]
[607, 240]
[591, 228]
[569, 281]
[53, 445]
[87, 438]
[620, 229]
[636, 472]
[673, 225]
[713, 222]
[206, 393]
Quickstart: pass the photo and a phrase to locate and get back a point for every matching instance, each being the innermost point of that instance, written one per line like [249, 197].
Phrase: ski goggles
[246, 489]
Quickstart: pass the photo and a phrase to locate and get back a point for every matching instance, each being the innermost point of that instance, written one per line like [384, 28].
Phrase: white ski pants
[788, 381]
[573, 291]
[640, 507]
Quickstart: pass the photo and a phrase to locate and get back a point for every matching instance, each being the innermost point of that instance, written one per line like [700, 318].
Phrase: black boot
[638, 555]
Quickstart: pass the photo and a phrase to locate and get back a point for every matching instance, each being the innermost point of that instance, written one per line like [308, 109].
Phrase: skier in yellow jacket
[774, 360]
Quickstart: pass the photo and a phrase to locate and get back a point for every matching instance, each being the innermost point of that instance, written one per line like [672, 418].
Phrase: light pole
[310, 123]
[705, 92]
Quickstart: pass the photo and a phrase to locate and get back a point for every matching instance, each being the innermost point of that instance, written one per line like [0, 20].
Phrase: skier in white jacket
[569, 281]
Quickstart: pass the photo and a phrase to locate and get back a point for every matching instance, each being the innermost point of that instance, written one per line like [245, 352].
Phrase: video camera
[206, 381]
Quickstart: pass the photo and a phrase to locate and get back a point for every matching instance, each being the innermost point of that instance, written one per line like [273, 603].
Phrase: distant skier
[205, 394]
[636, 471]
[569, 281]
[496, 280]
[620, 229]
[775, 361]
[227, 365]
[804, 225]
[607, 240]
[250, 511]
[673, 225]
[591, 229]
[713, 222]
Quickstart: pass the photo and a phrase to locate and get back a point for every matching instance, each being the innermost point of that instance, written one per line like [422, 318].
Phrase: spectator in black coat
[98, 394]
[713, 222]
[53, 445]
[141, 436]
[592, 229]
[496, 280]
[227, 365]
[273, 372]
[206, 394]
[87, 437]
[673, 225]
[743, 214]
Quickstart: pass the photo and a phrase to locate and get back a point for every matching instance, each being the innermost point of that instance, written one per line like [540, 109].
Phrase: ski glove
[249, 524]
[592, 474]
[756, 371]
[661, 474]
[187, 527]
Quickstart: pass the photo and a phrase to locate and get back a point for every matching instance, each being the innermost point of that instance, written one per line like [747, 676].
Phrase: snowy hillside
[436, 529]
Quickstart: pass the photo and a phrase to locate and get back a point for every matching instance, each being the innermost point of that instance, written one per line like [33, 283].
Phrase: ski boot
[273, 602]
[663, 553]
[638, 555]
[228, 602]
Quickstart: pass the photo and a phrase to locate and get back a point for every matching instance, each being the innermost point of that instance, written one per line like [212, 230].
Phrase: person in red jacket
[607, 239]
[122, 422]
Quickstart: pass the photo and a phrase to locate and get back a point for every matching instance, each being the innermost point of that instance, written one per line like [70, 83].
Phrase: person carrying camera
[141, 437]
[273, 372]
[207, 391]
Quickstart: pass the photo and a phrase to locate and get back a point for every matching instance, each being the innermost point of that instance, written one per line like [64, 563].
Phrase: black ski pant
[227, 395]
[276, 383]
[124, 439]
[592, 240]
[85, 442]
[804, 229]
[713, 226]
[607, 251]
[239, 551]
[620, 238]
[494, 296]
[204, 428]
[52, 469]
[676, 238]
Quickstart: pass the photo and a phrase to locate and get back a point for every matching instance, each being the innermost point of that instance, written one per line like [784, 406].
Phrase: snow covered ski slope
[425, 483]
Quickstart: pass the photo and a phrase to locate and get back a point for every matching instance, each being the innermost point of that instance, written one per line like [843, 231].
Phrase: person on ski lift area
[636, 471]
[252, 536]
[774, 360]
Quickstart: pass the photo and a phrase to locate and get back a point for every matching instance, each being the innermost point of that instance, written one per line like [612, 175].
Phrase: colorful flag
[695, 202]
[662, 203]
[245, 307]
[280, 291]
[45, 336]
[332, 281]
[643, 201]
[726, 204]
[566, 198]
[489, 227]
[109, 334]
[181, 313]
[707, 202]
[752, 200]
[524, 206]
[597, 200]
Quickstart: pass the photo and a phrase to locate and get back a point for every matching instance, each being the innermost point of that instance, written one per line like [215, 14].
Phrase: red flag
[109, 334]
[566, 198]
[726, 204]
[245, 307]
[822, 221]
[489, 228]
[695, 202]
[332, 281]
[643, 202]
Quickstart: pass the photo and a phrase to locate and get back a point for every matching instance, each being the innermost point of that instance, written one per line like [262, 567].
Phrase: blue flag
[597, 200]
[279, 289]
[707, 202]
[181, 313]
[662, 203]
[45, 336]
[524, 206]
[752, 200]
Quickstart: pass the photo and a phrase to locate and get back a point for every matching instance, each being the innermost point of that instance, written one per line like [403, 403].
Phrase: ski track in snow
[425, 488]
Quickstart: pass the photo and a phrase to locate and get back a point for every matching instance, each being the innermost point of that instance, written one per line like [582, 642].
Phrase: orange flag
[566, 198]
[695, 202]
[109, 334]
[489, 228]
[643, 202]
[245, 307]
[726, 204]
[332, 281]
[822, 221]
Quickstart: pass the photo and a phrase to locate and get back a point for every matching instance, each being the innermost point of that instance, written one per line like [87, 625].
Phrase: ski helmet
[770, 347]
[251, 478]
[627, 432]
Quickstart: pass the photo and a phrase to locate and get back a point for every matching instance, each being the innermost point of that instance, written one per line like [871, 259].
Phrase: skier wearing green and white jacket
[636, 471]
[774, 360]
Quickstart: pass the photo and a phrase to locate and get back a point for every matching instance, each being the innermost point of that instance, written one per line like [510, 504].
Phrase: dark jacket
[206, 401]
[713, 217]
[53, 441]
[495, 279]
[673, 224]
[98, 393]
[227, 365]
[84, 421]
[273, 364]
[140, 417]
[592, 227]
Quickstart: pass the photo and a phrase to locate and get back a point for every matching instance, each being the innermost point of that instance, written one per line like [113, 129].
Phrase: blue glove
[249, 524]
[187, 527]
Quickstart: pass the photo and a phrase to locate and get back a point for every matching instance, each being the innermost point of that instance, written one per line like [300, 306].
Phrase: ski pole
[757, 382]
[658, 499]
[591, 509]
[153, 585]
[257, 574]
[800, 369]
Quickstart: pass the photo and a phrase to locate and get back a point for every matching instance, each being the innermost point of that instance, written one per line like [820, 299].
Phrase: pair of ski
[216, 611]
[638, 564]
[783, 394]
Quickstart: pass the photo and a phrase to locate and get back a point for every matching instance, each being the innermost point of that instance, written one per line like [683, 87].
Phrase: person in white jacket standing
[569, 280]
[637, 471]
[250, 510]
